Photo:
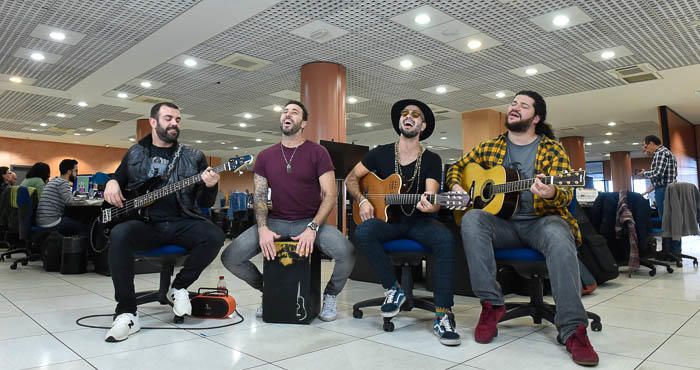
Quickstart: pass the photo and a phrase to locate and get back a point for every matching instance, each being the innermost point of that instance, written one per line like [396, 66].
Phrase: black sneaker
[444, 328]
[395, 297]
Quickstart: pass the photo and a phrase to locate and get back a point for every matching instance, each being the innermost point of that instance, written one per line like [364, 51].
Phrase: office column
[143, 128]
[574, 148]
[621, 170]
[480, 125]
[323, 93]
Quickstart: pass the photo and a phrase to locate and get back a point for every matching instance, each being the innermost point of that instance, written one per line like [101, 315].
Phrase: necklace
[414, 180]
[289, 162]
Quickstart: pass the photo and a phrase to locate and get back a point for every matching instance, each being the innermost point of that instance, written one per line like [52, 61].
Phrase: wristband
[362, 201]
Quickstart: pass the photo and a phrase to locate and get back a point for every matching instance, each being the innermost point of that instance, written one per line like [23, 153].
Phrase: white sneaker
[180, 299]
[258, 312]
[329, 311]
[122, 326]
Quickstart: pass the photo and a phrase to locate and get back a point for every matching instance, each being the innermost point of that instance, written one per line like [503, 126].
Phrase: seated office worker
[420, 171]
[37, 177]
[57, 193]
[542, 221]
[173, 219]
[300, 174]
[7, 178]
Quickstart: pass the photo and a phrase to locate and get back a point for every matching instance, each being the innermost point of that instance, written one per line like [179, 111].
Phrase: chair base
[161, 295]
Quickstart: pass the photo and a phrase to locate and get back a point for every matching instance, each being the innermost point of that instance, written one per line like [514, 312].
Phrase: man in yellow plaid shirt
[541, 221]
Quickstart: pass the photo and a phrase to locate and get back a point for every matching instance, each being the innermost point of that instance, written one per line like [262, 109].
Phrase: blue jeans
[428, 231]
[659, 194]
[550, 235]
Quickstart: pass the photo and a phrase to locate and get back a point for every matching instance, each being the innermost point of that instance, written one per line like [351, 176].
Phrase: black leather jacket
[133, 173]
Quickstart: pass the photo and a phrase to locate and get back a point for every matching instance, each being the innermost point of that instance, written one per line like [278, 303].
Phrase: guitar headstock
[238, 163]
[453, 200]
[570, 178]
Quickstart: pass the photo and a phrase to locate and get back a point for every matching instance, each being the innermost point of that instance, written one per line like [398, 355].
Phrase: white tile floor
[648, 323]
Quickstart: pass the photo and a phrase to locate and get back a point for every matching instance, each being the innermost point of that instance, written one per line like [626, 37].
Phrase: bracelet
[362, 201]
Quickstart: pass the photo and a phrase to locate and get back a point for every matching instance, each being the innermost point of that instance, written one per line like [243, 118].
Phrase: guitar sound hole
[488, 189]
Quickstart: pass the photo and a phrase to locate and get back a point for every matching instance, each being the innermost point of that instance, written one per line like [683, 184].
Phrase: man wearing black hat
[420, 171]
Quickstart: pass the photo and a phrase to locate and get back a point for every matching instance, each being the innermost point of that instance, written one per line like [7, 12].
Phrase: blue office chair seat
[168, 256]
[407, 254]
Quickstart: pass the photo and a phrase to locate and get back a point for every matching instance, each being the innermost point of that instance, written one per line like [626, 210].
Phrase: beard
[519, 126]
[292, 130]
[71, 178]
[165, 136]
[408, 134]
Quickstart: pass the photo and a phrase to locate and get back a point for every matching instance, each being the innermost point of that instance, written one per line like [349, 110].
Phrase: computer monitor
[82, 184]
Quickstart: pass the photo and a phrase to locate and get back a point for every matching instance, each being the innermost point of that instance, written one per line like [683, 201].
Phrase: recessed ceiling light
[89, 129]
[474, 44]
[16, 79]
[82, 104]
[198, 141]
[61, 115]
[406, 64]
[443, 137]
[422, 19]
[589, 143]
[635, 143]
[277, 108]
[146, 84]
[500, 94]
[190, 62]
[531, 71]
[352, 100]
[235, 148]
[77, 134]
[37, 56]
[608, 133]
[223, 143]
[611, 124]
[247, 116]
[106, 145]
[43, 124]
[368, 124]
[607, 54]
[606, 142]
[258, 139]
[243, 124]
[122, 95]
[607, 154]
[441, 89]
[375, 145]
[132, 139]
[430, 147]
[58, 36]
[33, 129]
[560, 20]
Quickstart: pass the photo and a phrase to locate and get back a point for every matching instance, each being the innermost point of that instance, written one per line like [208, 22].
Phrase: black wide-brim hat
[428, 116]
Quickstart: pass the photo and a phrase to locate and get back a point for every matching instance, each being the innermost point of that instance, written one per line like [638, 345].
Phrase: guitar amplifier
[291, 286]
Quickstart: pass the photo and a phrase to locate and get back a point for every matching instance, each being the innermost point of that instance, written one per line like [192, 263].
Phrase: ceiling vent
[268, 132]
[441, 117]
[149, 99]
[108, 121]
[243, 62]
[635, 73]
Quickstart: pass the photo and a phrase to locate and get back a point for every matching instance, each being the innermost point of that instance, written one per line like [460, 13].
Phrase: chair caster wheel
[357, 314]
[179, 319]
[596, 326]
[388, 326]
[669, 270]
[652, 272]
[13, 266]
[695, 263]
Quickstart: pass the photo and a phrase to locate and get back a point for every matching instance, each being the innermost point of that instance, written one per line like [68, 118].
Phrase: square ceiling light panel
[406, 62]
[25, 53]
[188, 61]
[474, 43]
[608, 54]
[287, 94]
[499, 95]
[561, 19]
[422, 18]
[146, 83]
[533, 70]
[16, 79]
[319, 31]
[441, 89]
[450, 31]
[55, 34]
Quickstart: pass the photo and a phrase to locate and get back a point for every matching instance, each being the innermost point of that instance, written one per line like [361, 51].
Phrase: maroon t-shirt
[295, 195]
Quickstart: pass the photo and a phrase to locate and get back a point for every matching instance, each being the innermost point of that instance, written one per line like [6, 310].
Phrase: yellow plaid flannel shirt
[551, 160]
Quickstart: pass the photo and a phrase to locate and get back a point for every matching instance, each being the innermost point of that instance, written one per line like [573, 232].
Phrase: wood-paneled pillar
[143, 128]
[323, 93]
[480, 125]
[621, 170]
[574, 148]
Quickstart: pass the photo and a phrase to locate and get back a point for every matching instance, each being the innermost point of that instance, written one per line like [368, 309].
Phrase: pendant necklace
[289, 162]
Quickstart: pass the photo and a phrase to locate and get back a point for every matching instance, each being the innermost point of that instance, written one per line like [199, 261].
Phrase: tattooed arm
[265, 235]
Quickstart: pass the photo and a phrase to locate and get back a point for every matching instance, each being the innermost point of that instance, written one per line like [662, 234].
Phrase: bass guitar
[384, 193]
[497, 190]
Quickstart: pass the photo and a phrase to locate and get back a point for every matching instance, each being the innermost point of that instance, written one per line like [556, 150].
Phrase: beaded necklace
[414, 180]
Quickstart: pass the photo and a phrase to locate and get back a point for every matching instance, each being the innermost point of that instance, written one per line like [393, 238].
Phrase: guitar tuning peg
[568, 183]
[580, 169]
[565, 172]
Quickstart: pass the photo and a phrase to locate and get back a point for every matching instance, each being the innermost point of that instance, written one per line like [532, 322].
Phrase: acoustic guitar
[384, 193]
[497, 190]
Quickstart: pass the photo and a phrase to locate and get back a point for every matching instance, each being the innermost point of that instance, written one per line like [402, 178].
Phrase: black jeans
[428, 231]
[202, 238]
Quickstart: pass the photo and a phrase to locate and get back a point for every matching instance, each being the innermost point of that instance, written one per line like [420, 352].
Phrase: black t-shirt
[381, 160]
[164, 209]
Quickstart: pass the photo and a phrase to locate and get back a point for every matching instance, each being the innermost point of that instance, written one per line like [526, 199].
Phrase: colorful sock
[440, 312]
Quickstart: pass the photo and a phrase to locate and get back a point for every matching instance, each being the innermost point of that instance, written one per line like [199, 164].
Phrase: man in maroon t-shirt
[300, 175]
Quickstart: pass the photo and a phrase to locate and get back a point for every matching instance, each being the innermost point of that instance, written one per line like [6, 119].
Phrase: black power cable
[78, 322]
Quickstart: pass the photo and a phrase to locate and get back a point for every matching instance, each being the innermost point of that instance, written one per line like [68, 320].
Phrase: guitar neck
[154, 195]
[398, 199]
[520, 185]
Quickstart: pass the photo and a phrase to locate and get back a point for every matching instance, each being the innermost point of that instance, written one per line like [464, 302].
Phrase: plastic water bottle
[221, 285]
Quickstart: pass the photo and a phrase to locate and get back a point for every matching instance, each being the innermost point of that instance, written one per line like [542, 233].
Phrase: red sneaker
[581, 349]
[486, 328]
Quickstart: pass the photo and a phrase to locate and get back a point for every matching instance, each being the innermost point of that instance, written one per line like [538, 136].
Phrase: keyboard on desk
[86, 202]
